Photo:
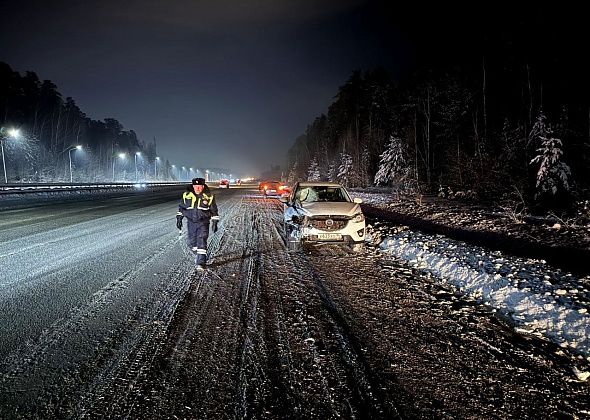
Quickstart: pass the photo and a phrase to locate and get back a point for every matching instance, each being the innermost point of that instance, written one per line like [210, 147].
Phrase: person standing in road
[198, 205]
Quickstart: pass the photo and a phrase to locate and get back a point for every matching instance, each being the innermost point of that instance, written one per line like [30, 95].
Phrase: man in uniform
[198, 205]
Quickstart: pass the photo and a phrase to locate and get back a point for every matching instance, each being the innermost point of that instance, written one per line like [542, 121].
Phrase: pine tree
[552, 173]
[345, 170]
[332, 173]
[392, 163]
[313, 172]
[540, 128]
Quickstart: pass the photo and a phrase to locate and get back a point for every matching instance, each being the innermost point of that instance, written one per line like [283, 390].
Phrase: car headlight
[359, 217]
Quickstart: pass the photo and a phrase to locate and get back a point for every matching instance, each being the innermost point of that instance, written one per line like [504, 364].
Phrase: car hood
[330, 209]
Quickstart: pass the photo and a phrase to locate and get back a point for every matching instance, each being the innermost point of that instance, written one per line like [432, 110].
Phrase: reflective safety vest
[203, 201]
[198, 207]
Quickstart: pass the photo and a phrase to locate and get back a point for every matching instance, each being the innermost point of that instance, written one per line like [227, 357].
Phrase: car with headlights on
[274, 188]
[319, 212]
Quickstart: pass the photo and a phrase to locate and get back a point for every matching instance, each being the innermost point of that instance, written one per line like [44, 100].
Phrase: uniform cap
[198, 181]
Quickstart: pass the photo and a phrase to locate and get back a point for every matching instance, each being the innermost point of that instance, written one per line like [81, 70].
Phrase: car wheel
[293, 246]
[291, 243]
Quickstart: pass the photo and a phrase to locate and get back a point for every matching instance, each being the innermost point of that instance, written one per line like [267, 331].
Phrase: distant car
[224, 183]
[274, 188]
[323, 212]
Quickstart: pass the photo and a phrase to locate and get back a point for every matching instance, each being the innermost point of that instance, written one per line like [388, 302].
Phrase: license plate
[329, 236]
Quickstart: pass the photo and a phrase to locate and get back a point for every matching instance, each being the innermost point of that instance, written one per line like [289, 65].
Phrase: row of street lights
[123, 156]
[189, 171]
[15, 133]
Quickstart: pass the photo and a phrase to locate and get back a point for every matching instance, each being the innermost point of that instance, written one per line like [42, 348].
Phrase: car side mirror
[358, 200]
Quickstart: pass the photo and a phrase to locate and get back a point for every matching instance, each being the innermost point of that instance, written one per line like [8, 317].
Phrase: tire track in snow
[117, 390]
[361, 380]
[27, 366]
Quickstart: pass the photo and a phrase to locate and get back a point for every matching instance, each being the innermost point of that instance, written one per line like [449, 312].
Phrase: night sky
[229, 83]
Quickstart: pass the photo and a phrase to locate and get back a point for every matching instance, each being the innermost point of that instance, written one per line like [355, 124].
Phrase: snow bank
[538, 313]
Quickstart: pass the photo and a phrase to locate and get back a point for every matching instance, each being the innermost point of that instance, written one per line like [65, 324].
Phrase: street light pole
[14, 133]
[3, 161]
[156, 168]
[70, 156]
[136, 154]
[121, 156]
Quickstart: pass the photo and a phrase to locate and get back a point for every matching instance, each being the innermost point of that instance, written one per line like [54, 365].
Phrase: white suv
[323, 212]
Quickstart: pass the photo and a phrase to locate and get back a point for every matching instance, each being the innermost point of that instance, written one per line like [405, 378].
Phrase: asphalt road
[103, 316]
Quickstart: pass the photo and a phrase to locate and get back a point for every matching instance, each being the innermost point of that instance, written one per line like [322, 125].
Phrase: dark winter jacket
[198, 207]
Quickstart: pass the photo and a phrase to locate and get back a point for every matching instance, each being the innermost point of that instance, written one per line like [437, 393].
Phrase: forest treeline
[504, 121]
[50, 126]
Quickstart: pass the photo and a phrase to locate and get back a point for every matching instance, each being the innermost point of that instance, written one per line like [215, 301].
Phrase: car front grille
[328, 224]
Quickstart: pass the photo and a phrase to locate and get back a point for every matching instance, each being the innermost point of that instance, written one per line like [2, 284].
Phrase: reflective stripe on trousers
[198, 233]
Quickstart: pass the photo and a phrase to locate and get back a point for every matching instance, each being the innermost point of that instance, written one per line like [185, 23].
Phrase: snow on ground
[539, 299]
[373, 197]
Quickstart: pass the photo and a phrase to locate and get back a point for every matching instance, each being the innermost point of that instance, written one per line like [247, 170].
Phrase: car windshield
[315, 193]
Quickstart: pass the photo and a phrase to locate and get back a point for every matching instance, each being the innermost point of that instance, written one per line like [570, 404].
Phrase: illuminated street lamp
[206, 175]
[136, 154]
[70, 156]
[184, 169]
[122, 156]
[156, 167]
[15, 134]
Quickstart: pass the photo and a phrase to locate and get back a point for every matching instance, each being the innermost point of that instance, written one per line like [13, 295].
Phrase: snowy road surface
[103, 316]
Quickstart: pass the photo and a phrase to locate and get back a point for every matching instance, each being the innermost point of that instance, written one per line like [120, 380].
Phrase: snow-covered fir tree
[553, 173]
[313, 172]
[539, 129]
[345, 170]
[332, 174]
[392, 163]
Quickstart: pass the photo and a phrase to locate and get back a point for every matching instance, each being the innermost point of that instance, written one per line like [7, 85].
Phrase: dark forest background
[486, 95]
[50, 126]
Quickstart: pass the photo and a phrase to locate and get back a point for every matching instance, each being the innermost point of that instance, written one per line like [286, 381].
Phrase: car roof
[319, 184]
